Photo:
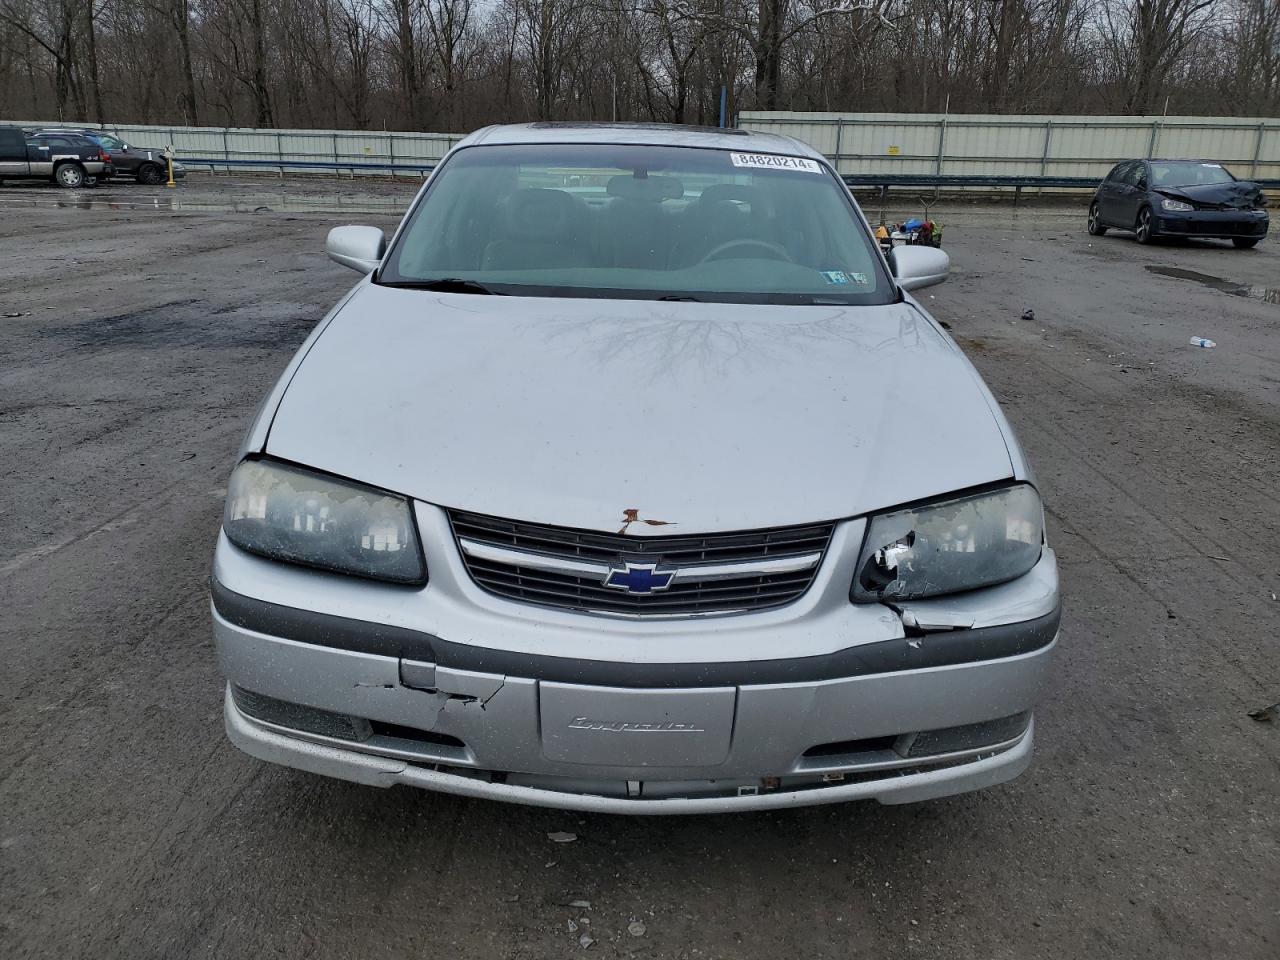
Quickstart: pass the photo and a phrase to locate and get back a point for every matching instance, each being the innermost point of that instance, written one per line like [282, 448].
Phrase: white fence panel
[858, 143]
[990, 145]
[342, 151]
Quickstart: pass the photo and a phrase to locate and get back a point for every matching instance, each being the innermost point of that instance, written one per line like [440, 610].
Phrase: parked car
[68, 161]
[145, 164]
[632, 478]
[1179, 198]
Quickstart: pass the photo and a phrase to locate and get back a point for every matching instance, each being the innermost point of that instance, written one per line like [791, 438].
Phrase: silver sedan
[630, 477]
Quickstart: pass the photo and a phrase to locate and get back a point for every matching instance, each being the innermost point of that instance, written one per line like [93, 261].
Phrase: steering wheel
[776, 252]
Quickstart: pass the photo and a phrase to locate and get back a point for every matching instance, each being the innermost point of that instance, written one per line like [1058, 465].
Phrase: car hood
[1240, 195]
[571, 411]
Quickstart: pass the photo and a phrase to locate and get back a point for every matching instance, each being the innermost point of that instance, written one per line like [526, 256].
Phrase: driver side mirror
[360, 248]
[915, 266]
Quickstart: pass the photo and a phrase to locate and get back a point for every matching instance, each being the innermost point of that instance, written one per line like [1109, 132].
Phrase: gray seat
[539, 229]
[637, 228]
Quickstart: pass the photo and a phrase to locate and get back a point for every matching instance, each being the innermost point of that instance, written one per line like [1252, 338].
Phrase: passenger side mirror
[916, 265]
[360, 248]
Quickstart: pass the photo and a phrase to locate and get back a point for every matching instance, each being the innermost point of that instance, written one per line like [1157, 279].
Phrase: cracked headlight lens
[953, 545]
[287, 513]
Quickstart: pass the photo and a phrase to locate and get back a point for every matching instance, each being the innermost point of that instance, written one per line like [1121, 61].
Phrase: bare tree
[456, 64]
[1146, 39]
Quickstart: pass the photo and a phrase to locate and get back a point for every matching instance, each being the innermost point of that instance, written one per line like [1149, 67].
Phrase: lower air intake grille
[643, 576]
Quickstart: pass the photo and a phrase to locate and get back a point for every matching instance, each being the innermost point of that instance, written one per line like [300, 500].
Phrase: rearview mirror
[917, 266]
[360, 248]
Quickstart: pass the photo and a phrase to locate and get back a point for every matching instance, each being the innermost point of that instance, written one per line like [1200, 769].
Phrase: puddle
[1236, 289]
[256, 203]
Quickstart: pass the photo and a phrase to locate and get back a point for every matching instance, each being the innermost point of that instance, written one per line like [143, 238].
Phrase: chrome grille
[709, 573]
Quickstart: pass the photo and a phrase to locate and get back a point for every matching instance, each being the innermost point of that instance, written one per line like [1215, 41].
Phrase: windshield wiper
[446, 285]
[680, 298]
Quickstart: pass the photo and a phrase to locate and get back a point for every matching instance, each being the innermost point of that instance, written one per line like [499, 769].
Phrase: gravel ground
[150, 325]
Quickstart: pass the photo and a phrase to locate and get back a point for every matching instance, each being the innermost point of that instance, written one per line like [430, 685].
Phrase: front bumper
[449, 688]
[890, 787]
[1213, 224]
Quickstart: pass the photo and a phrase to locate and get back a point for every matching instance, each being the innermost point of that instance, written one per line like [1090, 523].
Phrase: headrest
[652, 189]
[730, 191]
[538, 212]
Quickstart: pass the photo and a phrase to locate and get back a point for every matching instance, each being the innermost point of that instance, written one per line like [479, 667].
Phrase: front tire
[150, 175]
[70, 176]
[1145, 228]
[1245, 243]
[1096, 228]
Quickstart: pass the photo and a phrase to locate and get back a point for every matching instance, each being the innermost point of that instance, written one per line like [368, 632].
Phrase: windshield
[640, 222]
[1188, 174]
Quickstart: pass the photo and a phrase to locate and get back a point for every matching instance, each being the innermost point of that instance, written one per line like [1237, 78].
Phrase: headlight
[1175, 206]
[287, 513]
[959, 544]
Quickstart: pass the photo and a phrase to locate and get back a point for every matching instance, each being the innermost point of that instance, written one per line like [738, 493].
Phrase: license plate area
[621, 727]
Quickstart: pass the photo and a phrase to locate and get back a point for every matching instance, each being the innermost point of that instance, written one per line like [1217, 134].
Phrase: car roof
[642, 134]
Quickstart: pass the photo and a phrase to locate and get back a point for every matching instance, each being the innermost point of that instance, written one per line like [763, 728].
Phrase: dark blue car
[1179, 198]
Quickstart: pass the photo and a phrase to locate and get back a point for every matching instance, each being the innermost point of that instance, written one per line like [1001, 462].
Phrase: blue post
[724, 104]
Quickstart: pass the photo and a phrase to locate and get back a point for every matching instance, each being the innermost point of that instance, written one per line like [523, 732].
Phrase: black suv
[1179, 198]
[145, 164]
[68, 160]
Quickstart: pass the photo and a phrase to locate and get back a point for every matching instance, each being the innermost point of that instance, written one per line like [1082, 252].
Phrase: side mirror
[917, 266]
[360, 248]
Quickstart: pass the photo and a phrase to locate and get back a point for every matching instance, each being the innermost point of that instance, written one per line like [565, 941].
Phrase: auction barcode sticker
[772, 161]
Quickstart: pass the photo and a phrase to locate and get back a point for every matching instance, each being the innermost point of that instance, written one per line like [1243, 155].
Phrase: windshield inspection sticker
[769, 161]
[840, 278]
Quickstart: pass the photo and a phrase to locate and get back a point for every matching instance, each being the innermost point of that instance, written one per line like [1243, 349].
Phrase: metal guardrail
[962, 180]
[213, 163]
[885, 181]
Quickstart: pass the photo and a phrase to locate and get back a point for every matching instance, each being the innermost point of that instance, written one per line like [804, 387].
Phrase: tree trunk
[261, 92]
[91, 54]
[768, 53]
[181, 18]
[407, 57]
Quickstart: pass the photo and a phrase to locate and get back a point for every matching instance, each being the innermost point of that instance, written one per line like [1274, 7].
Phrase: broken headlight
[287, 513]
[953, 545]
[1175, 206]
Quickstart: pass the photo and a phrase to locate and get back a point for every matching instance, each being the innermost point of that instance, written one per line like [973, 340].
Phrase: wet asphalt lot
[1149, 825]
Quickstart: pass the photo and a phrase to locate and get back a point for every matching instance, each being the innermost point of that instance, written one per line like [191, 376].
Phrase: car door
[13, 153]
[124, 158]
[1108, 193]
[1132, 192]
[40, 156]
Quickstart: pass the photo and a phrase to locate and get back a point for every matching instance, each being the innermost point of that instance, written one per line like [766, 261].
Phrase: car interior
[631, 221]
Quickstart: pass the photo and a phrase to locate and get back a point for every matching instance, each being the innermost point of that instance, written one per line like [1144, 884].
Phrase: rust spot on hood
[632, 515]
